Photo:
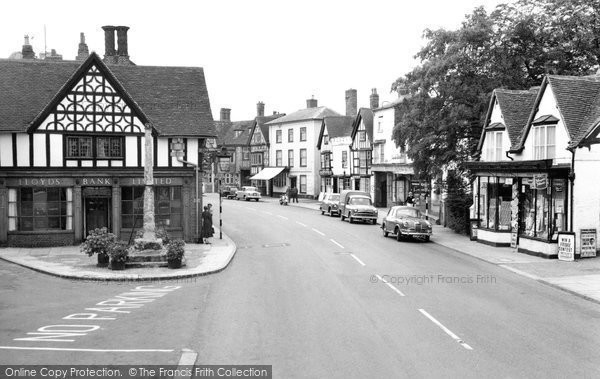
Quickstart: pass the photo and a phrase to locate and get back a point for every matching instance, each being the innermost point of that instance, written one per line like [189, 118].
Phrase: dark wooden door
[96, 213]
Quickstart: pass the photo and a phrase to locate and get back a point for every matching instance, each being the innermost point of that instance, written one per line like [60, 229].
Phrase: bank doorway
[96, 208]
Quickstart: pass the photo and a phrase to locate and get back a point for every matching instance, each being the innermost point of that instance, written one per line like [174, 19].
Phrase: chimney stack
[226, 114]
[123, 54]
[374, 99]
[27, 50]
[311, 103]
[82, 52]
[351, 102]
[260, 109]
[109, 44]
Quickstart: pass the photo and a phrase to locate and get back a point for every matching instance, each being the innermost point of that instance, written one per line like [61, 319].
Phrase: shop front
[522, 209]
[60, 210]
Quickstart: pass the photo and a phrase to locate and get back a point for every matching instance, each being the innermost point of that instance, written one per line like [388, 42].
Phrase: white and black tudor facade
[72, 148]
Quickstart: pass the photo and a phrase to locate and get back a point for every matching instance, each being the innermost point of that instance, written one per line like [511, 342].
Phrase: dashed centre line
[318, 232]
[283, 217]
[448, 331]
[267, 213]
[301, 224]
[334, 241]
[358, 260]
[390, 285]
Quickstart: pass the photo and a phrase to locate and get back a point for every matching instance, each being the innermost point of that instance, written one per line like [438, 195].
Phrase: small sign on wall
[588, 242]
[566, 246]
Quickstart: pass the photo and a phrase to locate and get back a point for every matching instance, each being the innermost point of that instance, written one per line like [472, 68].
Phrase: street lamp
[223, 166]
[177, 150]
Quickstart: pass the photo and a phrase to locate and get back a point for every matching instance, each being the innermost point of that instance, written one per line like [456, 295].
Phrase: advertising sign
[587, 242]
[566, 246]
[540, 181]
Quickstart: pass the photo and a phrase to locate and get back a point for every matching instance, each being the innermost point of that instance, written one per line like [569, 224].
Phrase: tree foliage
[513, 47]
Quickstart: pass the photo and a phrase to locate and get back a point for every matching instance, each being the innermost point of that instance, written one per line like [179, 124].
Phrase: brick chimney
[225, 114]
[122, 53]
[311, 103]
[82, 51]
[260, 109]
[110, 54]
[27, 49]
[351, 102]
[374, 99]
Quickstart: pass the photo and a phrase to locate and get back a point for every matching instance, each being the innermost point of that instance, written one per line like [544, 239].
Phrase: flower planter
[117, 265]
[174, 263]
[103, 260]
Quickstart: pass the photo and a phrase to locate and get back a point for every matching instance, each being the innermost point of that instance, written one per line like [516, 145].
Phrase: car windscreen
[408, 213]
[360, 201]
[334, 197]
[251, 189]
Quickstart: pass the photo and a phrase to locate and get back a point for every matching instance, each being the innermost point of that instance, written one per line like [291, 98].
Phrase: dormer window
[493, 150]
[237, 133]
[544, 141]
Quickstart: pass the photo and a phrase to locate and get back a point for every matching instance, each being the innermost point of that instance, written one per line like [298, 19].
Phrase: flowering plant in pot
[98, 242]
[118, 252]
[175, 252]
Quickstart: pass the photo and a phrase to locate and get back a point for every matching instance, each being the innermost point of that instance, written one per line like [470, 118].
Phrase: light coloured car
[357, 205]
[247, 193]
[330, 204]
[405, 221]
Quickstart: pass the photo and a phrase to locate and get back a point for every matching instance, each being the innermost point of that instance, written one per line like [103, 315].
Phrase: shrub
[458, 202]
[97, 242]
[118, 251]
[175, 250]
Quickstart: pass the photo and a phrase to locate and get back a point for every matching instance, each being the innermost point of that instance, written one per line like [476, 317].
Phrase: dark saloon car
[405, 221]
[330, 204]
[229, 192]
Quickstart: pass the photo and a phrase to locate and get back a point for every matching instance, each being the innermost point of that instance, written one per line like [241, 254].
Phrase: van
[357, 205]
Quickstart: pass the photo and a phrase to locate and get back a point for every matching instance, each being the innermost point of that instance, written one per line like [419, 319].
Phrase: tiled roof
[261, 122]
[339, 126]
[366, 116]
[174, 99]
[516, 107]
[305, 114]
[228, 134]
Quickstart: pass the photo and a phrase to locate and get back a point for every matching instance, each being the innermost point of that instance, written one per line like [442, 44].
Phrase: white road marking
[448, 331]
[283, 217]
[358, 260]
[268, 213]
[390, 285]
[334, 241]
[316, 231]
[89, 350]
[301, 224]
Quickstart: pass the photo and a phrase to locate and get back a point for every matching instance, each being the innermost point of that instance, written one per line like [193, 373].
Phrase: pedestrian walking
[410, 200]
[207, 227]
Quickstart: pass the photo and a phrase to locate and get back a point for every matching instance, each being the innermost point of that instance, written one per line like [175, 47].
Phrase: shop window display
[40, 209]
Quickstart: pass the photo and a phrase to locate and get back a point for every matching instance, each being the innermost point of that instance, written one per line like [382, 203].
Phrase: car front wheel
[350, 219]
[399, 236]
[322, 212]
[385, 232]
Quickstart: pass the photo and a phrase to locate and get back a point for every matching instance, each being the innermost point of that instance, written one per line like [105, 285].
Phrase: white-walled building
[293, 145]
[334, 144]
[537, 171]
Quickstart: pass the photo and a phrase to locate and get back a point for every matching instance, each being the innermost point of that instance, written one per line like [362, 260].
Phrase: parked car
[405, 221]
[229, 192]
[357, 205]
[247, 193]
[330, 204]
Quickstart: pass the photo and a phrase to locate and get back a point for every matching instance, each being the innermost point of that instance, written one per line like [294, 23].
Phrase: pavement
[69, 262]
[580, 278]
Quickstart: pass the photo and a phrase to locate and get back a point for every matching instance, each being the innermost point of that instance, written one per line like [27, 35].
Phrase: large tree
[513, 47]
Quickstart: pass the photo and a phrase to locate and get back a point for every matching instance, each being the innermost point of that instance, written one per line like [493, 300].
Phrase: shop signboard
[587, 240]
[540, 181]
[566, 246]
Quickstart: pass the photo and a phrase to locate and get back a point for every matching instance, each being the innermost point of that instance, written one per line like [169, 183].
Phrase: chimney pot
[27, 50]
[109, 43]
[260, 109]
[311, 103]
[225, 114]
[82, 51]
[374, 99]
[122, 43]
[351, 102]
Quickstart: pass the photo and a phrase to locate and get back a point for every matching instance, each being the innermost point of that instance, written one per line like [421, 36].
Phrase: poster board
[566, 246]
[587, 242]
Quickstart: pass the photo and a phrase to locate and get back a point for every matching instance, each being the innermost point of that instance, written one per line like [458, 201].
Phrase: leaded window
[109, 147]
[79, 147]
[34, 208]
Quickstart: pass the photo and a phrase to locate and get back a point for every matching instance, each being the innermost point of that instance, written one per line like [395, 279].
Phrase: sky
[277, 52]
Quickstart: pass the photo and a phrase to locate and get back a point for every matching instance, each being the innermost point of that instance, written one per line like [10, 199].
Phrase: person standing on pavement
[410, 200]
[295, 194]
[207, 227]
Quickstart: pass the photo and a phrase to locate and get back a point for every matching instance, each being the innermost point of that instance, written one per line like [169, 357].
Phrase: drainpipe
[572, 181]
[508, 156]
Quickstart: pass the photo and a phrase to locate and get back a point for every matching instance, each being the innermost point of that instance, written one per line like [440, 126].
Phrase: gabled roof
[366, 116]
[337, 126]
[243, 128]
[260, 122]
[577, 101]
[173, 99]
[317, 113]
[515, 106]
